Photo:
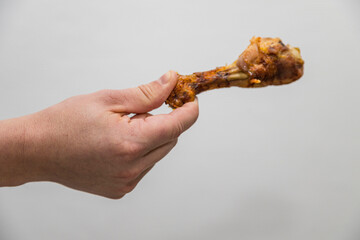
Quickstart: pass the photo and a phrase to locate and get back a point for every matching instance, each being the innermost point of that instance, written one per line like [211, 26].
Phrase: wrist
[12, 169]
[21, 152]
[36, 148]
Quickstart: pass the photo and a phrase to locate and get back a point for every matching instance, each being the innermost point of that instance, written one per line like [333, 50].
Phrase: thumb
[149, 96]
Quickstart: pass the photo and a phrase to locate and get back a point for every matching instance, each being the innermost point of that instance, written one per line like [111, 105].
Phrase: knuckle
[129, 174]
[133, 150]
[147, 91]
[151, 95]
[128, 151]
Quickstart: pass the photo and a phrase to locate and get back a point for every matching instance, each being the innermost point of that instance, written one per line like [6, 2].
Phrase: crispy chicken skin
[266, 61]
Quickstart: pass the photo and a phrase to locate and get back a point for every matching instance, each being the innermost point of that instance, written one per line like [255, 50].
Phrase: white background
[272, 163]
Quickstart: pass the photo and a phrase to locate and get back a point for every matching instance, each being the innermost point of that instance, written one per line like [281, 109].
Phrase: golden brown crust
[266, 61]
[271, 62]
[190, 85]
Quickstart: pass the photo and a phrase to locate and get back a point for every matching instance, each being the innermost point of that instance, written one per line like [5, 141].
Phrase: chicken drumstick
[266, 61]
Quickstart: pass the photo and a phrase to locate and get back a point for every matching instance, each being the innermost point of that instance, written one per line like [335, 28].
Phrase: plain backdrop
[278, 163]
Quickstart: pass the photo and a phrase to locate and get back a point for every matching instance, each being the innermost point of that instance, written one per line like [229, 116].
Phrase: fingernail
[165, 78]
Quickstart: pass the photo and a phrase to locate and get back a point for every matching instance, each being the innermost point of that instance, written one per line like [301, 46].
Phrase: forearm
[12, 160]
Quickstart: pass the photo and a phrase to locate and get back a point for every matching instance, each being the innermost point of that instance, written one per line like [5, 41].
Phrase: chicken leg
[266, 61]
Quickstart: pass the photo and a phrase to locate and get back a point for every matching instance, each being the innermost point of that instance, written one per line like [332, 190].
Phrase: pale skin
[89, 142]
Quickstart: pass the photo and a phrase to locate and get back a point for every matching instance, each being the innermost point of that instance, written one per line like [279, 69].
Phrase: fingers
[187, 115]
[157, 154]
[143, 98]
[129, 186]
[147, 163]
[160, 129]
[134, 182]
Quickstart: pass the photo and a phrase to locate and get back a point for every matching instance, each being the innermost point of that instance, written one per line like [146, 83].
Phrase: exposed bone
[266, 61]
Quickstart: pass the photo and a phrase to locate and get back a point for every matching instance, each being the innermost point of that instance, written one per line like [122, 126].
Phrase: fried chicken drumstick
[266, 61]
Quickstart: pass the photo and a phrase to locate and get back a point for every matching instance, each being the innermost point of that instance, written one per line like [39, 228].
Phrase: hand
[90, 143]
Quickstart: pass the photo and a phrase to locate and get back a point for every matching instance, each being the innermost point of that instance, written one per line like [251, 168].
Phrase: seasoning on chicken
[266, 61]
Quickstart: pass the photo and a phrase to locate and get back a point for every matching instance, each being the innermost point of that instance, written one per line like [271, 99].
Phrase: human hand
[89, 142]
